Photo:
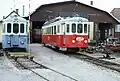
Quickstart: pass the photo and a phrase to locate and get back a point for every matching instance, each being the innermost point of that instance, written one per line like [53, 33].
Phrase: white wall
[91, 32]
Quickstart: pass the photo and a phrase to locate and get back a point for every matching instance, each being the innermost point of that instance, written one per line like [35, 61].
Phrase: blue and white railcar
[15, 34]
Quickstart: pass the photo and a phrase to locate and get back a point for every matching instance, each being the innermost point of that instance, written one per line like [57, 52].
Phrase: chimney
[23, 10]
[3, 17]
[17, 11]
[91, 2]
[73, 0]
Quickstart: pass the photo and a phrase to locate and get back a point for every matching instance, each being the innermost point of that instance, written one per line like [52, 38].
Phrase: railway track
[97, 61]
[31, 65]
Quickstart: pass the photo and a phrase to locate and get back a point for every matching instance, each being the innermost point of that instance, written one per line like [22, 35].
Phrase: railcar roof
[13, 16]
[68, 19]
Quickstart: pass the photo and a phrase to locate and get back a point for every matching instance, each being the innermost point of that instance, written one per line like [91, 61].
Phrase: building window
[9, 28]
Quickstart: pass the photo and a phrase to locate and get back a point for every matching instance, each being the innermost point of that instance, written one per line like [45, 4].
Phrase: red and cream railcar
[70, 33]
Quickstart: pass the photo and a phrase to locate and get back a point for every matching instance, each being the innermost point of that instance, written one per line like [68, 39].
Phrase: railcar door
[15, 37]
[63, 33]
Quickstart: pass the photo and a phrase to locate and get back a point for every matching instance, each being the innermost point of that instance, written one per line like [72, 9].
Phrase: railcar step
[18, 54]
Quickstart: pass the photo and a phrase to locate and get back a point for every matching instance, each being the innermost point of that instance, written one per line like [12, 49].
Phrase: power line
[14, 4]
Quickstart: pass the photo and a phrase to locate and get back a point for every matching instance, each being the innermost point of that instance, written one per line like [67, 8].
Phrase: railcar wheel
[57, 48]
[44, 44]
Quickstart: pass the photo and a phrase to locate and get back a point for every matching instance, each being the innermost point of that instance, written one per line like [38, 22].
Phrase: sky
[6, 6]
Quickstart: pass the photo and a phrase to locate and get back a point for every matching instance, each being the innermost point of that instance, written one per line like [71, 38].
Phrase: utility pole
[29, 51]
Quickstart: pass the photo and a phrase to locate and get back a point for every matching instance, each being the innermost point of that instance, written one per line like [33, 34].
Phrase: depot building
[104, 23]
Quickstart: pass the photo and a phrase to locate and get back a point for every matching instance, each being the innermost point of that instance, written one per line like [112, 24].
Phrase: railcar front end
[14, 36]
[15, 41]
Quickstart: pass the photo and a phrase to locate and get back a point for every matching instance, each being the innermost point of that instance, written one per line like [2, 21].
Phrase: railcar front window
[85, 28]
[73, 28]
[21, 28]
[9, 28]
[79, 28]
[68, 28]
[15, 28]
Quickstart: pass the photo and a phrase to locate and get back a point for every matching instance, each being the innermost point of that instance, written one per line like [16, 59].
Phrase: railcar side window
[15, 28]
[58, 29]
[26, 28]
[73, 28]
[88, 30]
[85, 28]
[21, 28]
[9, 28]
[68, 28]
[4, 28]
[44, 31]
[79, 28]
[48, 30]
[54, 29]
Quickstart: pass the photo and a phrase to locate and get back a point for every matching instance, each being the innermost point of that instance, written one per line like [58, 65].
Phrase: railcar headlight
[85, 41]
[8, 42]
[73, 41]
[22, 42]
